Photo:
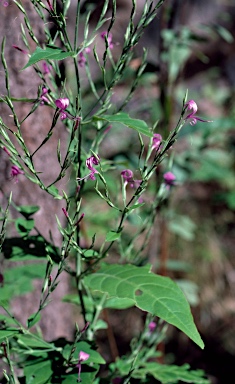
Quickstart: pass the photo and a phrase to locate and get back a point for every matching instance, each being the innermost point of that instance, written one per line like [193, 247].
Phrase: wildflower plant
[100, 283]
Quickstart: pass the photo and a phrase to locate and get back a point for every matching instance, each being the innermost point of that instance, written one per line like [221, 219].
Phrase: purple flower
[62, 103]
[82, 59]
[15, 171]
[127, 175]
[191, 105]
[43, 99]
[46, 68]
[5, 3]
[93, 160]
[157, 139]
[83, 356]
[105, 35]
[152, 325]
[169, 179]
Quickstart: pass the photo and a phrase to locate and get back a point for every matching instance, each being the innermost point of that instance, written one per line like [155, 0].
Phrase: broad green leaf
[155, 294]
[117, 303]
[88, 375]
[48, 53]
[168, 374]
[39, 372]
[112, 236]
[123, 118]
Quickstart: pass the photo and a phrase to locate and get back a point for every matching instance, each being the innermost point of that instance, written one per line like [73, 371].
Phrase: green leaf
[117, 303]
[171, 373]
[39, 372]
[28, 210]
[155, 294]
[48, 53]
[123, 118]
[24, 226]
[33, 319]
[7, 333]
[27, 341]
[112, 236]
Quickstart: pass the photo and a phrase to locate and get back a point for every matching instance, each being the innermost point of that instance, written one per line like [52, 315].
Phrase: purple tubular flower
[169, 179]
[109, 37]
[83, 356]
[15, 171]
[157, 139]
[152, 325]
[191, 105]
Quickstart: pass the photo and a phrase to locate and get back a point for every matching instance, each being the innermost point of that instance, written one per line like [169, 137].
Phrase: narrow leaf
[48, 53]
[123, 118]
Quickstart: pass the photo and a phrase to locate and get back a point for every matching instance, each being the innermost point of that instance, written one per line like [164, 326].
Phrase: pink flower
[127, 175]
[105, 35]
[169, 179]
[82, 59]
[152, 325]
[15, 171]
[46, 68]
[191, 105]
[62, 103]
[83, 356]
[93, 160]
[43, 99]
[157, 139]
